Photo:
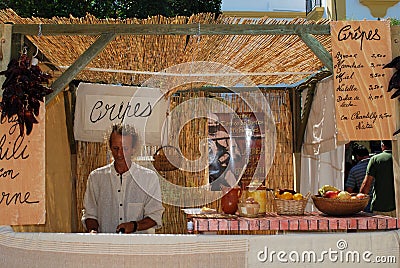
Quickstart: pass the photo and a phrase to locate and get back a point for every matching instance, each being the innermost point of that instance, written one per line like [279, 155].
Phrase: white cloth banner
[320, 170]
[98, 106]
[337, 249]
[321, 134]
[322, 157]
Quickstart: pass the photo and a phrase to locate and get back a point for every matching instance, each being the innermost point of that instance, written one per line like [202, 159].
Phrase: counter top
[308, 250]
[314, 221]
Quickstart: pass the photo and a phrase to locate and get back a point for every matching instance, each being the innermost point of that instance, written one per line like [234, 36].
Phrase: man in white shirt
[122, 196]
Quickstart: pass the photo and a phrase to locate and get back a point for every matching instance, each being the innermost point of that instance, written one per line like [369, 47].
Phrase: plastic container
[249, 210]
[260, 195]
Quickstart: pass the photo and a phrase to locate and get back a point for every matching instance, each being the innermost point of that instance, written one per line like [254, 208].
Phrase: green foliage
[394, 21]
[111, 8]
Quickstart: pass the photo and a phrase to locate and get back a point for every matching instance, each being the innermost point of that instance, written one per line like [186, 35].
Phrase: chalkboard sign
[22, 173]
[364, 110]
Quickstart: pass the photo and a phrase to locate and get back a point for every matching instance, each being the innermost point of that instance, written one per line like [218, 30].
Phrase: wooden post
[6, 45]
[395, 32]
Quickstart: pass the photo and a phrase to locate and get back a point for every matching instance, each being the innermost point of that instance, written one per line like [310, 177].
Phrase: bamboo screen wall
[93, 155]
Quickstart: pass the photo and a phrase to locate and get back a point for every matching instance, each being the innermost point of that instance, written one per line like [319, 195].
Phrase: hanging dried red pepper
[23, 92]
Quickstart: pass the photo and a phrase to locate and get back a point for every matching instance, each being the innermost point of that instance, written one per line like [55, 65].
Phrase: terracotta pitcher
[230, 199]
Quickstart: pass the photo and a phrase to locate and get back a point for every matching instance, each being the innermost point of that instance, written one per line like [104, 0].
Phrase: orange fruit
[297, 196]
[286, 196]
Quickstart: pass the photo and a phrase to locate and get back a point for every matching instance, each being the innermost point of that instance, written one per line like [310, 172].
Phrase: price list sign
[22, 173]
[364, 110]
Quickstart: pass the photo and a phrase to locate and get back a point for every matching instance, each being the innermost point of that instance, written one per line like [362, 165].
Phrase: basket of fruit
[332, 201]
[288, 202]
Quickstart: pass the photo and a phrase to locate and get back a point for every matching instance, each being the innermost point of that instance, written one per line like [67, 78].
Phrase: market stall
[176, 47]
[267, 53]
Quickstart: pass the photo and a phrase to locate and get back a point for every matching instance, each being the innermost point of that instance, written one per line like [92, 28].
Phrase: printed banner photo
[234, 143]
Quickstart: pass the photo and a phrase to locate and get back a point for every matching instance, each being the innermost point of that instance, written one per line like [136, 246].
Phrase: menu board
[364, 110]
[22, 173]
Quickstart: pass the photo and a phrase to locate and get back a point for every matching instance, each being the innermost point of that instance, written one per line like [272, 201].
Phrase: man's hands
[92, 226]
[127, 227]
[141, 225]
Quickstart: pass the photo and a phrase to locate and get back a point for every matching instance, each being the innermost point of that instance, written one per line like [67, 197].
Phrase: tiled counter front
[307, 222]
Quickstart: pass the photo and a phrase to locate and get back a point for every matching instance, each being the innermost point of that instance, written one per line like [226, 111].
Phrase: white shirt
[111, 198]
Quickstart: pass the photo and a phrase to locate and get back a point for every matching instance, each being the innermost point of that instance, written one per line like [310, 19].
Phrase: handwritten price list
[364, 110]
[22, 173]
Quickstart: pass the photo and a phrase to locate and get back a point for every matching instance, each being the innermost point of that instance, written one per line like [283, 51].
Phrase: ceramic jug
[230, 199]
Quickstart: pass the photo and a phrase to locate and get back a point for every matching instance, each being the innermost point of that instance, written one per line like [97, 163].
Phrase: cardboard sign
[22, 173]
[364, 110]
[99, 106]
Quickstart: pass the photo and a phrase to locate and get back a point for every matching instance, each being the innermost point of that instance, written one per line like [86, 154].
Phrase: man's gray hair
[124, 130]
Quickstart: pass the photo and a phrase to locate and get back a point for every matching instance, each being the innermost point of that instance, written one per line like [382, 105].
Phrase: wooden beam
[79, 64]
[295, 104]
[217, 89]
[304, 116]
[169, 29]
[318, 49]
[395, 36]
[295, 98]
[69, 117]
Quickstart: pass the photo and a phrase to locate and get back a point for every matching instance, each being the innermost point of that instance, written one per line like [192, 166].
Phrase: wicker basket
[161, 162]
[339, 207]
[290, 207]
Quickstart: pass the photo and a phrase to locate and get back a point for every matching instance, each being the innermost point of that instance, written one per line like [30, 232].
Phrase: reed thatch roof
[268, 59]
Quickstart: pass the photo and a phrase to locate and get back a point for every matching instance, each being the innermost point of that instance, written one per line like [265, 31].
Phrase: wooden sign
[22, 173]
[364, 110]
